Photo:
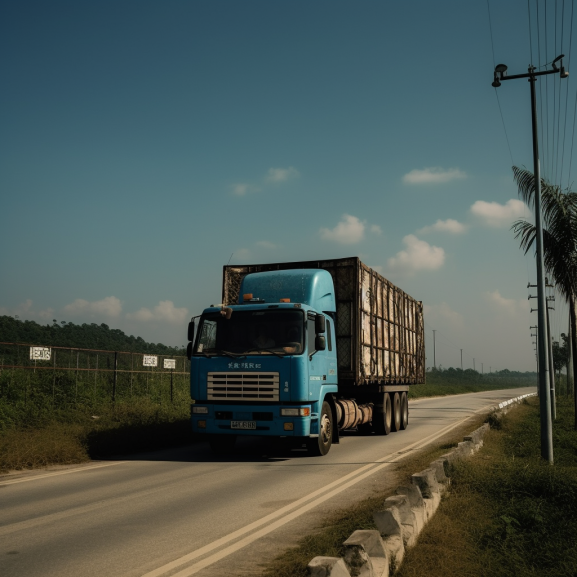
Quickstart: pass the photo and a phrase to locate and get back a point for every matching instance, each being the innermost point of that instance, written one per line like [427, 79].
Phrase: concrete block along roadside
[378, 553]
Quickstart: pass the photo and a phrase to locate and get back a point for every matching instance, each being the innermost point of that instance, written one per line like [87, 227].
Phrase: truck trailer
[304, 350]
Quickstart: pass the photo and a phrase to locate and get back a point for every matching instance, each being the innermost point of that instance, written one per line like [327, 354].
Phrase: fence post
[115, 376]
[171, 374]
[54, 380]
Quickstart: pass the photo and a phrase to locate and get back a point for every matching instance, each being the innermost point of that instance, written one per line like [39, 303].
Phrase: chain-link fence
[61, 375]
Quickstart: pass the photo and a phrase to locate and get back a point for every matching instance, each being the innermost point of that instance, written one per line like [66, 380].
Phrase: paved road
[184, 512]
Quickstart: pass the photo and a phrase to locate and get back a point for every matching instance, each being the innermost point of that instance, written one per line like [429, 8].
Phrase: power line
[496, 93]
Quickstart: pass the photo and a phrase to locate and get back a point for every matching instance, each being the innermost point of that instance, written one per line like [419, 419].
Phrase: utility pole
[551, 361]
[481, 368]
[461, 359]
[545, 400]
[473, 363]
[434, 351]
[570, 384]
[536, 355]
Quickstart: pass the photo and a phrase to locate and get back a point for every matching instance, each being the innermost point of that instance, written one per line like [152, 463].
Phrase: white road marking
[329, 491]
[56, 473]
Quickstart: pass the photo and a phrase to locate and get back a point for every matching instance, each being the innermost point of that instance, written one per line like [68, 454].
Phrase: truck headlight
[200, 410]
[296, 412]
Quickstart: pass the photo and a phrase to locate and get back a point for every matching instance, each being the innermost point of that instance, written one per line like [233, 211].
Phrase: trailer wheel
[321, 445]
[404, 411]
[396, 412]
[222, 444]
[382, 420]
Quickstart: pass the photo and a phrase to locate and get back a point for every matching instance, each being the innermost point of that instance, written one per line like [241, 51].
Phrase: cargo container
[304, 350]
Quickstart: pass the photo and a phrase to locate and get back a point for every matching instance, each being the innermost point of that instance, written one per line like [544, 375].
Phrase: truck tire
[222, 444]
[382, 419]
[396, 412]
[404, 411]
[321, 445]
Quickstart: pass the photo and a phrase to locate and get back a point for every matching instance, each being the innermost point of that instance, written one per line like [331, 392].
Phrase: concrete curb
[380, 552]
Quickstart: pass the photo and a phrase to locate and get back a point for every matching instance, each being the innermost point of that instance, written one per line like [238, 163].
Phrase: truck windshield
[279, 332]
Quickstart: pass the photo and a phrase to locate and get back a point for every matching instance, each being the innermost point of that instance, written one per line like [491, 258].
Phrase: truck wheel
[404, 411]
[382, 420]
[321, 445]
[396, 412]
[222, 444]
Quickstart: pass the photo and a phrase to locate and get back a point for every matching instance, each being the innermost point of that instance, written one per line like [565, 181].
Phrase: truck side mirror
[189, 351]
[320, 343]
[191, 331]
[320, 325]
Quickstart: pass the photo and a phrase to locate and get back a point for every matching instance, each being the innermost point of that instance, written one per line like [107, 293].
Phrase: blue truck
[303, 351]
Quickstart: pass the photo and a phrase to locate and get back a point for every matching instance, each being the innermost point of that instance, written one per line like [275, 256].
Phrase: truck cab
[267, 365]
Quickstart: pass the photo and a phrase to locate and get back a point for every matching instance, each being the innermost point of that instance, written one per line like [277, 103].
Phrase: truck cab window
[311, 334]
[278, 332]
[207, 338]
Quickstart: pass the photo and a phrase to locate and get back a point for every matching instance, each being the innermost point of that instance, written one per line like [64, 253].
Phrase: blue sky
[144, 143]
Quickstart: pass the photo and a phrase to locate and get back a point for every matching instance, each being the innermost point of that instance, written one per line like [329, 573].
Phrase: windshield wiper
[223, 352]
[229, 354]
[266, 350]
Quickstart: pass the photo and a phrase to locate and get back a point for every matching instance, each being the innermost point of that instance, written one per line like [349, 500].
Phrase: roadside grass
[327, 539]
[34, 434]
[508, 511]
[443, 388]
[78, 434]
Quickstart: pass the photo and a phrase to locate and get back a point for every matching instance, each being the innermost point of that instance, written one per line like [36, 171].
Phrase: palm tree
[559, 211]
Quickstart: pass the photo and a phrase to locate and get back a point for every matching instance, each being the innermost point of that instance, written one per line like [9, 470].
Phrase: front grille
[243, 386]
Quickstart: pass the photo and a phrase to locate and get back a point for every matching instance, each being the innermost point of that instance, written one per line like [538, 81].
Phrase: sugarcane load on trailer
[304, 350]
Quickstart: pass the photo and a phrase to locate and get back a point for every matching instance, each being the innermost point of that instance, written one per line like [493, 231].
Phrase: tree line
[84, 336]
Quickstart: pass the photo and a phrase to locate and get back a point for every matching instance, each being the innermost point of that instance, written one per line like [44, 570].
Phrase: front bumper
[267, 421]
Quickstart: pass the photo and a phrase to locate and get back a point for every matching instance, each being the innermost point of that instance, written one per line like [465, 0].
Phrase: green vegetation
[508, 512]
[456, 381]
[79, 434]
[85, 336]
[76, 406]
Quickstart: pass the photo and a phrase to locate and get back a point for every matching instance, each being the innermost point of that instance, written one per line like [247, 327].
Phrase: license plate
[243, 424]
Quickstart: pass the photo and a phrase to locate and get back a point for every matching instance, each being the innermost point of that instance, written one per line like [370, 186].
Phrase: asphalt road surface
[185, 512]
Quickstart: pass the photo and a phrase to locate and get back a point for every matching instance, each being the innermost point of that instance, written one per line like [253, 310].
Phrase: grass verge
[78, 435]
[458, 388]
[508, 513]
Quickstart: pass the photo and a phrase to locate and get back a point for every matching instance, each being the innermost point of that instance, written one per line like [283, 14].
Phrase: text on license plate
[243, 424]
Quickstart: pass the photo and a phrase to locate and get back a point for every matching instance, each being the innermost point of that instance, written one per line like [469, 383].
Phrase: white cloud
[109, 306]
[444, 314]
[509, 306]
[419, 255]
[240, 254]
[276, 175]
[240, 189]
[376, 229]
[164, 311]
[499, 215]
[266, 244]
[349, 231]
[273, 176]
[451, 226]
[25, 311]
[433, 175]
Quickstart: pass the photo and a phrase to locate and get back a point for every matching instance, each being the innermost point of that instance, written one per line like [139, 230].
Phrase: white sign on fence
[150, 361]
[170, 363]
[40, 353]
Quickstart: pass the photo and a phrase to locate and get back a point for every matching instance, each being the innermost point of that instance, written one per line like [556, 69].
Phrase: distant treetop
[85, 336]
